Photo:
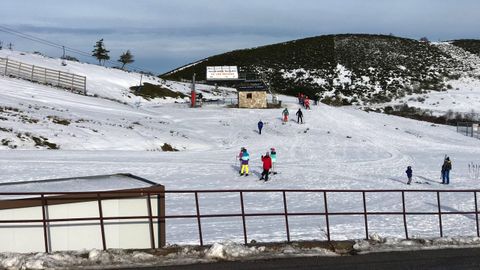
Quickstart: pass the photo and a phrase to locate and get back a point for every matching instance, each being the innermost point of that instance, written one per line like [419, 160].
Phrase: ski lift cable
[57, 45]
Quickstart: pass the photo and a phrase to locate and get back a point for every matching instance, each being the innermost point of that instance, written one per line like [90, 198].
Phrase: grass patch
[43, 142]
[449, 118]
[150, 91]
[168, 148]
[58, 120]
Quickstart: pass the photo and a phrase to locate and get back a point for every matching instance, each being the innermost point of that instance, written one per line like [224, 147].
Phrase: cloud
[182, 31]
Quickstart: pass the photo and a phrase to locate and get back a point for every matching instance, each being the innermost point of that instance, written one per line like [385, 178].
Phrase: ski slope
[337, 148]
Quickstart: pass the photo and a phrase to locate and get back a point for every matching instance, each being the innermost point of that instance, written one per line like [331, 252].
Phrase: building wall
[258, 100]
[29, 237]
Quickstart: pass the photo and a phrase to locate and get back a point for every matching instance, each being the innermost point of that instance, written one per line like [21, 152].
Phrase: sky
[166, 34]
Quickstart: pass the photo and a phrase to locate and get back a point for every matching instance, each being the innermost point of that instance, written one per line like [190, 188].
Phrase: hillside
[113, 115]
[343, 69]
[470, 45]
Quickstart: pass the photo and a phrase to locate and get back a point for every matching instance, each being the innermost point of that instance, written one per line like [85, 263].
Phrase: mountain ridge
[346, 68]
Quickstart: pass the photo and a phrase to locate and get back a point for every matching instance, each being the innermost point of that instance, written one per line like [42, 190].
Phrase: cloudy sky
[165, 34]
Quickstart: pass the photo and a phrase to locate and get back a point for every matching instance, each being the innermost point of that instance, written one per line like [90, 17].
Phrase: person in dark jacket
[267, 165]
[446, 167]
[260, 126]
[299, 116]
[409, 173]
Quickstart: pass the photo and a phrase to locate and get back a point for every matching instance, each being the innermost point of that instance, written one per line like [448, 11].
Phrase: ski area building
[252, 95]
[94, 212]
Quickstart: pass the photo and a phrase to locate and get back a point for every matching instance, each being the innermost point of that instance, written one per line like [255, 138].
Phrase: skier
[260, 126]
[446, 167]
[240, 155]
[409, 174]
[315, 100]
[299, 116]
[245, 159]
[285, 115]
[267, 165]
[273, 156]
[306, 102]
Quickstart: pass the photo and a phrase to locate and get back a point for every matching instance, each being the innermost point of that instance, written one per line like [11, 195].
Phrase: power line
[57, 45]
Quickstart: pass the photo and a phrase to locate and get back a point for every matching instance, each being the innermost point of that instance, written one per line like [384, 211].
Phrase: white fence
[69, 81]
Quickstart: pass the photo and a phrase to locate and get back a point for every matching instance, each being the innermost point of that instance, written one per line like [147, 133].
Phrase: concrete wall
[29, 237]
[258, 100]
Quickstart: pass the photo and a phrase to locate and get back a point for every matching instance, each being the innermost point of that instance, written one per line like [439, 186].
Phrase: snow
[337, 148]
[462, 94]
[378, 243]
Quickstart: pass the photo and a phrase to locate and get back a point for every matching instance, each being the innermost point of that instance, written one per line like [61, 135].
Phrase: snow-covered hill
[39, 116]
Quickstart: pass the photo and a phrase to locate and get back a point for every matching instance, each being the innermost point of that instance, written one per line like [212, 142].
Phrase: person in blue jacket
[260, 126]
[409, 173]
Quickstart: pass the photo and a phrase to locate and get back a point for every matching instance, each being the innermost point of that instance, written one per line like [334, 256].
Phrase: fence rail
[470, 129]
[45, 199]
[69, 81]
[326, 213]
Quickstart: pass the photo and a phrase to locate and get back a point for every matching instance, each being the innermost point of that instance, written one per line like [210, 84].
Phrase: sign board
[220, 73]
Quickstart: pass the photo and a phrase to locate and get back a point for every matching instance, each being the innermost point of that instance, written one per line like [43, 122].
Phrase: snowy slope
[107, 82]
[33, 113]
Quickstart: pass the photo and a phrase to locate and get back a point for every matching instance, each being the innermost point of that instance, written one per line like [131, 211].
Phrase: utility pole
[63, 48]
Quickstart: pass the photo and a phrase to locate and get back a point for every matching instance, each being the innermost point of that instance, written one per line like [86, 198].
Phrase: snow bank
[230, 250]
[378, 243]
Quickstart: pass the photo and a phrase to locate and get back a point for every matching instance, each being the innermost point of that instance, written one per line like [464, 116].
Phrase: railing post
[73, 76]
[476, 213]
[58, 80]
[286, 216]
[150, 221]
[365, 214]
[198, 219]
[326, 215]
[102, 226]
[439, 214]
[84, 86]
[243, 218]
[31, 75]
[6, 67]
[44, 221]
[161, 218]
[404, 215]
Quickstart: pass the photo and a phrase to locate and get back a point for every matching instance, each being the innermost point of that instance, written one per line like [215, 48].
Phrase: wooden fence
[57, 78]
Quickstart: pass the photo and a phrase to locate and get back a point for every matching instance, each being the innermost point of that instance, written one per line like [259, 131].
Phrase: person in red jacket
[267, 165]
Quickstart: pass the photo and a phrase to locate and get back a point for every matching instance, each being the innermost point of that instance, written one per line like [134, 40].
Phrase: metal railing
[326, 213]
[470, 129]
[69, 81]
[44, 200]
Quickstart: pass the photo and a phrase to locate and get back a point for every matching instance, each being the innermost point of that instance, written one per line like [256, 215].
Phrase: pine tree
[126, 58]
[100, 52]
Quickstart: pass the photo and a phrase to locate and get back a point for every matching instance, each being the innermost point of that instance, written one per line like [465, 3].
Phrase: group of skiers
[268, 163]
[305, 101]
[299, 115]
[445, 172]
